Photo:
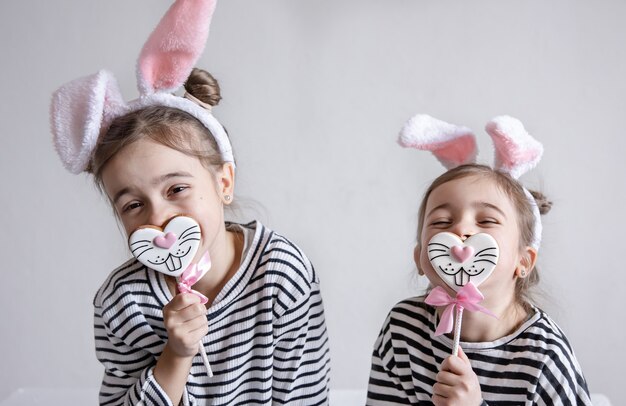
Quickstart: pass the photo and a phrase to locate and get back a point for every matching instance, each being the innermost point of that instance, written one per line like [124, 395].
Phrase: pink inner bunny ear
[516, 152]
[452, 145]
[78, 112]
[174, 46]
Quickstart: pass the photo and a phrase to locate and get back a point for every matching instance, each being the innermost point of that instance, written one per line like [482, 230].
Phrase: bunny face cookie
[170, 249]
[460, 262]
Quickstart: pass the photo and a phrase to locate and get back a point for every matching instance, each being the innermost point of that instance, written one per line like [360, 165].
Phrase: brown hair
[515, 191]
[169, 126]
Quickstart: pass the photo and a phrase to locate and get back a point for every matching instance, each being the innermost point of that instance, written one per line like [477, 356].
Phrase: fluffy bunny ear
[78, 112]
[516, 151]
[174, 46]
[452, 145]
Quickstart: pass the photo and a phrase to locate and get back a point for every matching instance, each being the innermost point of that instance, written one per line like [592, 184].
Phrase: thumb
[461, 354]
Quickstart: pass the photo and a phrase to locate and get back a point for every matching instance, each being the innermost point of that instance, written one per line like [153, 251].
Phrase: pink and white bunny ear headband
[516, 152]
[83, 109]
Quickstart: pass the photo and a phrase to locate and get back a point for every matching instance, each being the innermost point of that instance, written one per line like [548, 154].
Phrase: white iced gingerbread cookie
[169, 249]
[458, 262]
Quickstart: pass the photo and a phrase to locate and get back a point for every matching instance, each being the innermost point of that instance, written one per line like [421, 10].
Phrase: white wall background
[314, 94]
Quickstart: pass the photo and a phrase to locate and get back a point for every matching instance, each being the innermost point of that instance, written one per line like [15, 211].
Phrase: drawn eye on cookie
[168, 249]
[459, 262]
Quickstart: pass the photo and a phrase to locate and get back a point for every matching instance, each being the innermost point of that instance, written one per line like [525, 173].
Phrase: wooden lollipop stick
[457, 330]
[205, 359]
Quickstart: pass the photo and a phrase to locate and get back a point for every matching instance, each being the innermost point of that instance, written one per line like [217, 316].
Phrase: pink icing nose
[165, 241]
[462, 253]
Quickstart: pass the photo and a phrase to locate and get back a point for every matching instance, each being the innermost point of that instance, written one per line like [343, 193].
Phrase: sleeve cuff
[151, 391]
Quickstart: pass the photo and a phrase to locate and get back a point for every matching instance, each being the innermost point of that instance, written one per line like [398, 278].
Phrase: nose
[157, 214]
[464, 229]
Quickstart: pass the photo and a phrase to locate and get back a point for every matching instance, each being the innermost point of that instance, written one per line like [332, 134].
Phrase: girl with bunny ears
[257, 314]
[511, 352]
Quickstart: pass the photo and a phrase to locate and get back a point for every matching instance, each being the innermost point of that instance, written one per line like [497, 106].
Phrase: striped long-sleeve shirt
[535, 365]
[267, 340]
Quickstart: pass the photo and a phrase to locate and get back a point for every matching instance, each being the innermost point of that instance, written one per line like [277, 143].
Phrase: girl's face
[465, 207]
[149, 183]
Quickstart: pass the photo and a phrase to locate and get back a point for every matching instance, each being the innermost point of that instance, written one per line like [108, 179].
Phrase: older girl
[159, 156]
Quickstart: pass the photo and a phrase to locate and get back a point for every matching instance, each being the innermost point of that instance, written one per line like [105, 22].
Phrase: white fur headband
[83, 109]
[516, 152]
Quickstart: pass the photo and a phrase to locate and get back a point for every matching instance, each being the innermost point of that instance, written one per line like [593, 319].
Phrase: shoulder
[410, 320]
[128, 278]
[281, 258]
[281, 267]
[544, 342]
[545, 335]
[561, 374]
[412, 311]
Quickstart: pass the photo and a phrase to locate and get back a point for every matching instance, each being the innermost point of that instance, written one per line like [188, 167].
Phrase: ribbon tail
[475, 307]
[185, 288]
[194, 273]
[445, 323]
[470, 297]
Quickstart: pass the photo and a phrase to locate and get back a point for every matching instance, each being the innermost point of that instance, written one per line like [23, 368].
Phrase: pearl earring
[227, 198]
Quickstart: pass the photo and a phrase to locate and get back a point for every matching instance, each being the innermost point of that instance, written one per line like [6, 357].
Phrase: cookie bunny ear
[174, 46]
[452, 145]
[78, 112]
[516, 152]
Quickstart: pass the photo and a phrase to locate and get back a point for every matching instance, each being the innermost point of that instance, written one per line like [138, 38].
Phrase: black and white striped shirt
[533, 366]
[267, 340]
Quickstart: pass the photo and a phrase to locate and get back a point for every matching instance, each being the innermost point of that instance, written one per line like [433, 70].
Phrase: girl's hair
[525, 217]
[166, 125]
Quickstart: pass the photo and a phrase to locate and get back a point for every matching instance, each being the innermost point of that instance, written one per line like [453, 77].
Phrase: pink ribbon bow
[193, 274]
[467, 297]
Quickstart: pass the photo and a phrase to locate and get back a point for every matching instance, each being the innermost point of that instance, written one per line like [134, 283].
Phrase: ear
[452, 145]
[527, 262]
[416, 257]
[79, 111]
[516, 152]
[226, 182]
[174, 46]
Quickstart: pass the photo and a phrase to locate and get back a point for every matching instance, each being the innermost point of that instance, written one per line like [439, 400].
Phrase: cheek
[507, 260]
[424, 262]
[129, 226]
[427, 267]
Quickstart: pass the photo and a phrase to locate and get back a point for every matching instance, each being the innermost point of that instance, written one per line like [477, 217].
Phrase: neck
[225, 265]
[481, 327]
[225, 253]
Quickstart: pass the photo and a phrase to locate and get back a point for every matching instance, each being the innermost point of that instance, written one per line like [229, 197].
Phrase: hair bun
[203, 86]
[542, 201]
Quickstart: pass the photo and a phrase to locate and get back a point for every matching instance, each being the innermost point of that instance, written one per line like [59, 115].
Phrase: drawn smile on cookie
[461, 276]
[173, 262]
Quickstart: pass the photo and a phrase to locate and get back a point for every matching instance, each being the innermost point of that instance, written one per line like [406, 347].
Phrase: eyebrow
[490, 206]
[156, 181]
[168, 176]
[477, 204]
[441, 206]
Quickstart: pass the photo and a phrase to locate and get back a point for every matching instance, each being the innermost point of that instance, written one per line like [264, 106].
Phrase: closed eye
[441, 223]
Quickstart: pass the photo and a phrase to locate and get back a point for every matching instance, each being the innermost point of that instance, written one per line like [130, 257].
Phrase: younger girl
[159, 156]
[519, 358]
